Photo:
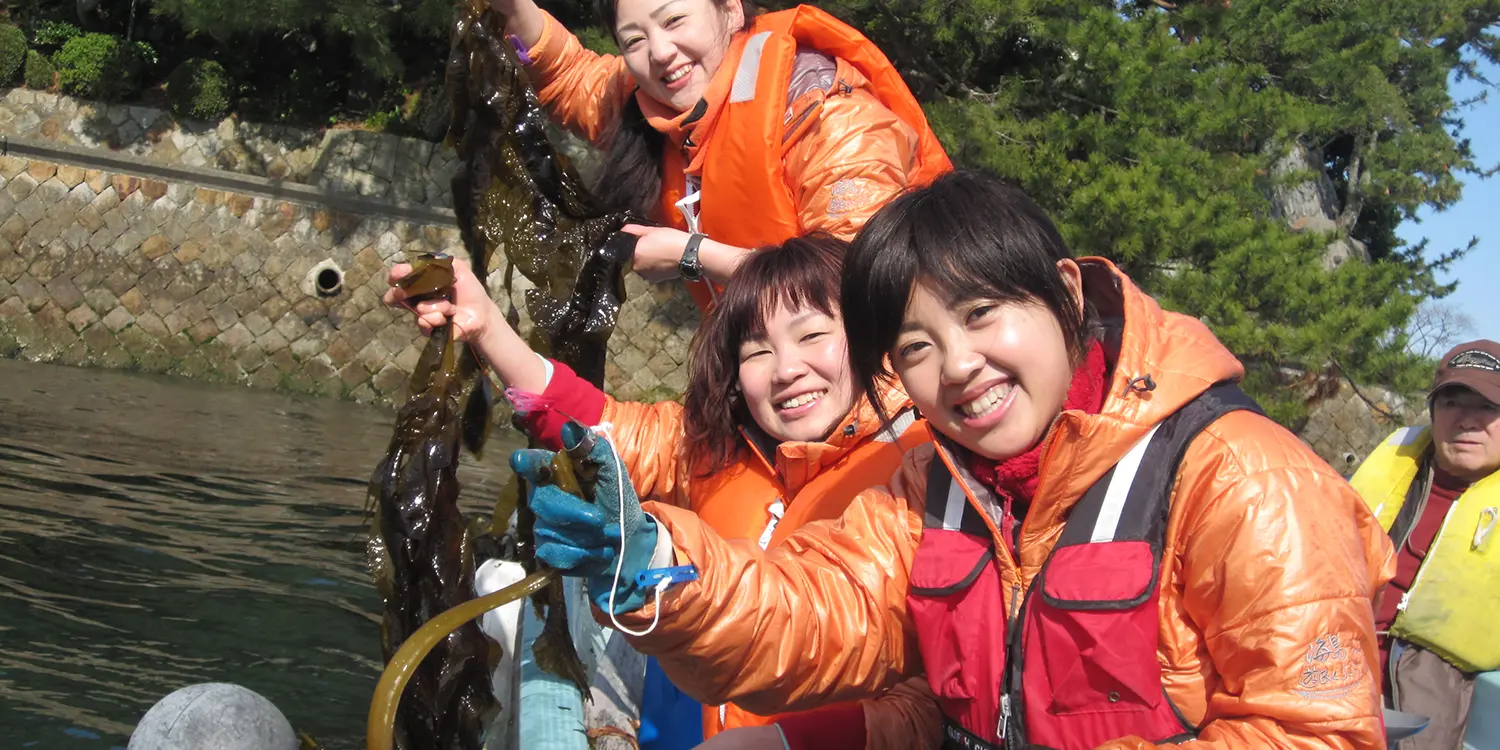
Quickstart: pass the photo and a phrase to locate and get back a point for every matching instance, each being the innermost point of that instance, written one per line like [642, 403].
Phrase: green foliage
[12, 53]
[383, 120]
[40, 75]
[370, 30]
[144, 54]
[53, 34]
[598, 40]
[1150, 134]
[199, 89]
[98, 66]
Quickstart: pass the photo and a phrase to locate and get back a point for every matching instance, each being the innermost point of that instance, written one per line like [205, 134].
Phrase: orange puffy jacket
[764, 496]
[1268, 552]
[805, 120]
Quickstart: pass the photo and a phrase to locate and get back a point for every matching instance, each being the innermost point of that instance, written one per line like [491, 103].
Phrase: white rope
[603, 432]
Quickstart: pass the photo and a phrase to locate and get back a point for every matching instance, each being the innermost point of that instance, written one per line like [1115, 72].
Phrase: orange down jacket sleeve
[582, 89]
[1268, 558]
[857, 156]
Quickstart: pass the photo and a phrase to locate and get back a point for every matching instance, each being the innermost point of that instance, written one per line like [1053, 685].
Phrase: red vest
[1077, 665]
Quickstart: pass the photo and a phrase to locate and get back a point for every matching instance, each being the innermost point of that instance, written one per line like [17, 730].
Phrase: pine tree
[368, 28]
[1246, 161]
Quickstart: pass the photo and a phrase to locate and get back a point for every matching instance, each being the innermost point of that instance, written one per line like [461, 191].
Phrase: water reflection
[156, 533]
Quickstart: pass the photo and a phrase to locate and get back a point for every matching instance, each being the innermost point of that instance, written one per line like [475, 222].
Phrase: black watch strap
[689, 267]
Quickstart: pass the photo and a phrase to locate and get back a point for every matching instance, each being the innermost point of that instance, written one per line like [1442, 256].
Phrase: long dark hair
[629, 175]
[802, 273]
[969, 236]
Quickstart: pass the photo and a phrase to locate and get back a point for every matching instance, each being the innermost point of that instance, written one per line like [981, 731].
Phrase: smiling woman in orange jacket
[746, 128]
[1104, 545]
[773, 435]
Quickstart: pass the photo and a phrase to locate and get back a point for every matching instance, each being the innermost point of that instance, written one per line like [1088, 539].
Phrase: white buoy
[213, 716]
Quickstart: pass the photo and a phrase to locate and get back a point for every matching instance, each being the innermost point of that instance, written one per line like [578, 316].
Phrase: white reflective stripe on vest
[1119, 489]
[899, 426]
[748, 73]
[953, 510]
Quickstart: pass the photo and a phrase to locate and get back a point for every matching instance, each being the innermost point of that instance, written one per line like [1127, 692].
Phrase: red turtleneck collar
[1015, 479]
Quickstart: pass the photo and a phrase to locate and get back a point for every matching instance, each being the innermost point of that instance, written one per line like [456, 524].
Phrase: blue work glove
[579, 538]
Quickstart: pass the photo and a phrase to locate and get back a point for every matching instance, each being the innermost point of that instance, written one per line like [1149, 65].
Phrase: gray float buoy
[213, 716]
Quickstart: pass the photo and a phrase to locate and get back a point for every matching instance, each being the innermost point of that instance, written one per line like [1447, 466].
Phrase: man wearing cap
[1436, 490]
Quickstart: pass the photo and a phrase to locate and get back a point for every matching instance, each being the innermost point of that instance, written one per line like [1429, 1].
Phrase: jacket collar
[797, 463]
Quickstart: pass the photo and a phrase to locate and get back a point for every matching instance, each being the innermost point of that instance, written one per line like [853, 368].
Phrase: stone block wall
[1347, 426]
[648, 353]
[118, 271]
[372, 165]
[115, 270]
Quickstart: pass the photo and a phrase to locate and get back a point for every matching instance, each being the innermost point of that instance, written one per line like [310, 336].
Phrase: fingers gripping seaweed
[517, 193]
[428, 566]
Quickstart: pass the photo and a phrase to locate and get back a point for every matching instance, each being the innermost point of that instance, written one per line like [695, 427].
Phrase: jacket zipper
[1005, 687]
[1009, 684]
[797, 121]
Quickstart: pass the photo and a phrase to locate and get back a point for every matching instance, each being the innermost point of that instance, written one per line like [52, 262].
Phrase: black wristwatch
[689, 267]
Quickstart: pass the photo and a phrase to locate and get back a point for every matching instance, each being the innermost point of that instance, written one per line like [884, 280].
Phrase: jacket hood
[1158, 362]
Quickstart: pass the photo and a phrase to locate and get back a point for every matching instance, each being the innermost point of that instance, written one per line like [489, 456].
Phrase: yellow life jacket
[1457, 589]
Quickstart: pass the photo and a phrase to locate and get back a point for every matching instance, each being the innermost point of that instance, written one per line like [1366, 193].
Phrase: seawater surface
[156, 533]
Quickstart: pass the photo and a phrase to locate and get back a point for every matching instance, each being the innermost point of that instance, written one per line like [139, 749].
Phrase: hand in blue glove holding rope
[609, 542]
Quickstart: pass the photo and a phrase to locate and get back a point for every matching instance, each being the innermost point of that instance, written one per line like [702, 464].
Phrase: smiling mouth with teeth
[802, 400]
[987, 401]
[677, 75]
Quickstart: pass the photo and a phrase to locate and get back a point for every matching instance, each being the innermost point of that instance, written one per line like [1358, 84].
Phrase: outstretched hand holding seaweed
[514, 190]
[477, 321]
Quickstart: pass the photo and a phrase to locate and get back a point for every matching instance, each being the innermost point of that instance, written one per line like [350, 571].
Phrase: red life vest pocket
[1092, 633]
[957, 605]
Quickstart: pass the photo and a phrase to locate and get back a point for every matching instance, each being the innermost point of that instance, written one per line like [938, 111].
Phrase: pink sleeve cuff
[567, 397]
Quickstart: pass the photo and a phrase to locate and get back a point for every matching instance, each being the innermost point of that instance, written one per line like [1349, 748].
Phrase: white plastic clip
[1487, 519]
[688, 207]
[777, 510]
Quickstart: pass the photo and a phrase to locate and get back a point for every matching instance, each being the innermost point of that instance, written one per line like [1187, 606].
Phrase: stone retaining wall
[1346, 427]
[110, 269]
[115, 270]
[373, 165]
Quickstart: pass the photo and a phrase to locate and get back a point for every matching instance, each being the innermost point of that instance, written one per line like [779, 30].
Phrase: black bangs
[966, 236]
[802, 273]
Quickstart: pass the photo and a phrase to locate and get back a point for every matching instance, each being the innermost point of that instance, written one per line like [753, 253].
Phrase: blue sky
[1477, 215]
